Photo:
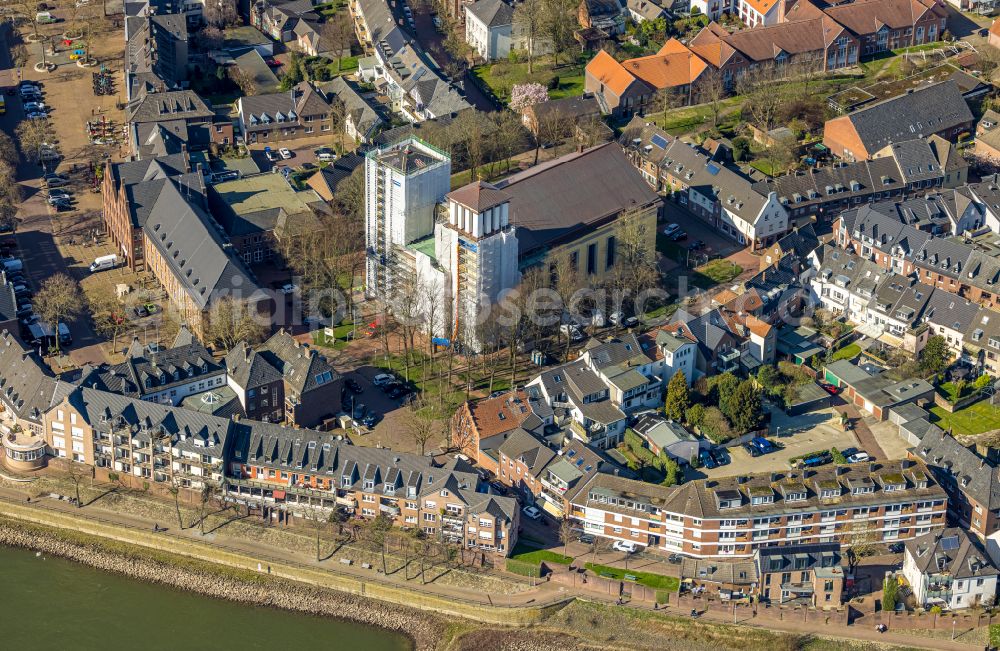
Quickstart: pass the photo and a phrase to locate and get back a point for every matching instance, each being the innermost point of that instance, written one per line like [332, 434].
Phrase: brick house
[300, 113]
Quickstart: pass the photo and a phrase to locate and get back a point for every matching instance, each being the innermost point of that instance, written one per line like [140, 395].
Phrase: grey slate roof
[27, 387]
[302, 368]
[171, 105]
[953, 551]
[492, 13]
[924, 111]
[952, 463]
[164, 369]
[248, 369]
[364, 116]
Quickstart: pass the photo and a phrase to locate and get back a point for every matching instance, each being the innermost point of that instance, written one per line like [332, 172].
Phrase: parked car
[272, 155]
[859, 457]
[55, 180]
[678, 236]
[54, 192]
[36, 115]
[896, 548]
[285, 152]
[675, 558]
[671, 229]
[288, 289]
[697, 245]
[720, 456]
[531, 512]
[571, 330]
[383, 379]
[35, 107]
[140, 311]
[626, 546]
[325, 154]
[705, 458]
[370, 419]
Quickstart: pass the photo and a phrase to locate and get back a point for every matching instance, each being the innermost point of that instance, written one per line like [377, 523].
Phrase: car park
[626, 546]
[531, 512]
[285, 152]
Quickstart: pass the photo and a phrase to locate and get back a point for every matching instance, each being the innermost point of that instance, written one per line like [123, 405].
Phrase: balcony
[389, 509]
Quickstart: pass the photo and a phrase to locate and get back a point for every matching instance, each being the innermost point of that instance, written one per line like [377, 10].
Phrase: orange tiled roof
[761, 6]
[995, 27]
[609, 72]
[758, 327]
[725, 296]
[674, 65]
[486, 414]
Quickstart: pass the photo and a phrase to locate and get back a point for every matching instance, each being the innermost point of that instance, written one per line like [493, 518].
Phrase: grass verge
[648, 579]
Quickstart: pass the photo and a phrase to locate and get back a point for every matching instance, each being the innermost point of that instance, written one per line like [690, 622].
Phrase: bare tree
[665, 99]
[339, 33]
[473, 127]
[422, 425]
[33, 135]
[57, 301]
[989, 61]
[528, 20]
[175, 491]
[19, 55]
[551, 128]
[762, 95]
[507, 134]
[338, 122]
[107, 312]
[209, 492]
[231, 320]
[711, 89]
[558, 23]
[242, 79]
[209, 38]
[221, 13]
[77, 472]
[567, 281]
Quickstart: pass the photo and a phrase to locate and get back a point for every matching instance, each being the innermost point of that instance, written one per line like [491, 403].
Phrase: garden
[562, 80]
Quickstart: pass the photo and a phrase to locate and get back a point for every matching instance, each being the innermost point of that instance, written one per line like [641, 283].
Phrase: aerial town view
[500, 325]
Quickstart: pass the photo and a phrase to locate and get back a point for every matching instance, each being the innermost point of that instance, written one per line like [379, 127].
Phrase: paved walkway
[535, 596]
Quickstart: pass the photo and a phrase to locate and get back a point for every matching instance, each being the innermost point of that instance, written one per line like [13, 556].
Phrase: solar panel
[949, 543]
[659, 141]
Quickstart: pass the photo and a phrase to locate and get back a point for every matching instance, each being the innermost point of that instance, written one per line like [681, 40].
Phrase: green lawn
[849, 351]
[648, 579]
[951, 393]
[563, 80]
[719, 271]
[528, 554]
[974, 419]
[339, 339]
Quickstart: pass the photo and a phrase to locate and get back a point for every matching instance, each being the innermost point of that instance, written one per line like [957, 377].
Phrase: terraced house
[734, 517]
[303, 470]
[299, 113]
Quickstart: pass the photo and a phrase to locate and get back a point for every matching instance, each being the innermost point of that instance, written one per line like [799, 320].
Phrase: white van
[104, 262]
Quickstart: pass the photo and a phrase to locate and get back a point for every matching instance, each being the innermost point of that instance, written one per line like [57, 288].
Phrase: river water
[49, 603]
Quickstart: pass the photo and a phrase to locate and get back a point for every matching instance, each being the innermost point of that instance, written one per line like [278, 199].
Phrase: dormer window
[795, 496]
[389, 489]
[369, 484]
[411, 491]
[345, 481]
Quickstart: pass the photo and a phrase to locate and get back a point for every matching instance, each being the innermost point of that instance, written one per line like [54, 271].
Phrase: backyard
[563, 80]
[648, 579]
[974, 419]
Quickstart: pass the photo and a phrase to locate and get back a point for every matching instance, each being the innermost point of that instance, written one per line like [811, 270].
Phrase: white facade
[947, 590]
[771, 221]
[479, 252]
[713, 8]
[759, 13]
[175, 394]
[403, 185]
[490, 43]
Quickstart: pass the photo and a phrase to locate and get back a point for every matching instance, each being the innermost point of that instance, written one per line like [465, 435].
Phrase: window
[592, 258]
[611, 251]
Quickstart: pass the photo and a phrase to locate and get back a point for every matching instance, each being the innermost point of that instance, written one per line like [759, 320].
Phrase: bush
[695, 415]
[553, 83]
[715, 426]
[982, 382]
[838, 456]
[889, 589]
[741, 148]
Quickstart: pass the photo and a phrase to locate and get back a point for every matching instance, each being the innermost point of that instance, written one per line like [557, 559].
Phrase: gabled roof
[492, 13]
[478, 196]
[952, 551]
[171, 105]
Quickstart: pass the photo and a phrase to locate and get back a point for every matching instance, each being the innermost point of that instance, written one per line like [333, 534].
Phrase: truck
[104, 262]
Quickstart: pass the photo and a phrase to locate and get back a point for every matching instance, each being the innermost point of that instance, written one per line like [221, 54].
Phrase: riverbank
[423, 629]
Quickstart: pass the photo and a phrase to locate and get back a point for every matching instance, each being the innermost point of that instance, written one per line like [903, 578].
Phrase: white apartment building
[948, 568]
[488, 28]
